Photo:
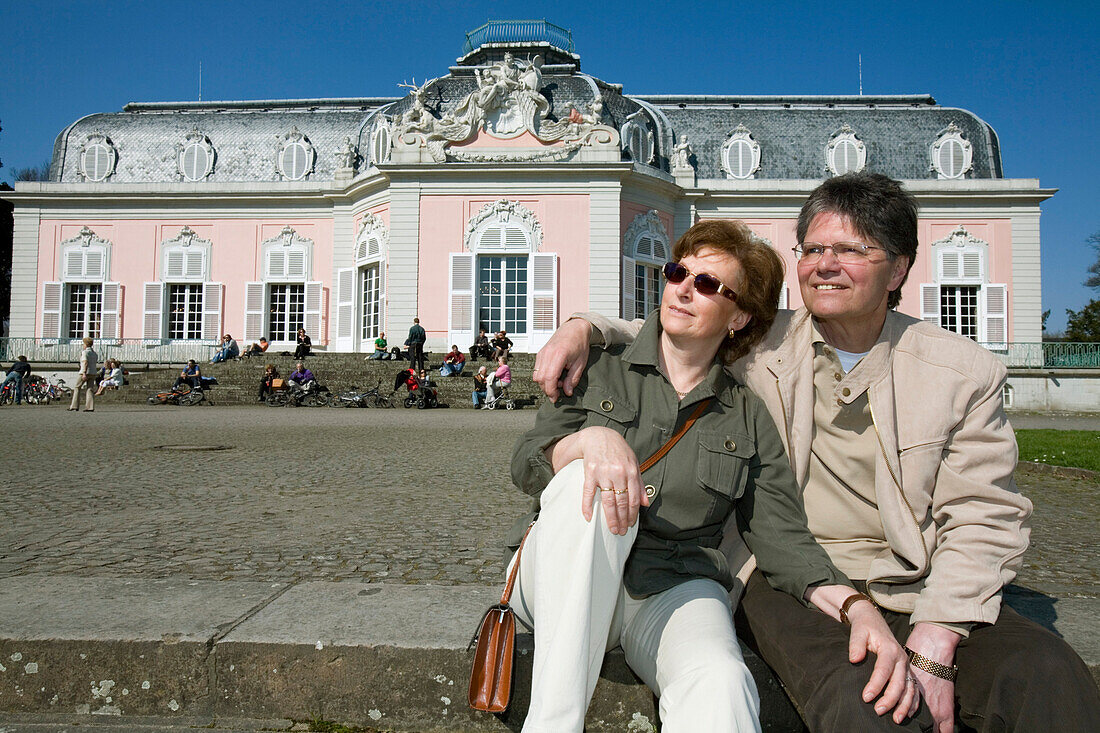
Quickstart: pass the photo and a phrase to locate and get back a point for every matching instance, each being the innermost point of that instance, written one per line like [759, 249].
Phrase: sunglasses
[706, 284]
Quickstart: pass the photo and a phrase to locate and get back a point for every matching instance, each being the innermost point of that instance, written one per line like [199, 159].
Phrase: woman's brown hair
[761, 277]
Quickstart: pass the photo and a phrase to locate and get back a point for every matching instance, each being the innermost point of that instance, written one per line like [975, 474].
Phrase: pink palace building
[507, 193]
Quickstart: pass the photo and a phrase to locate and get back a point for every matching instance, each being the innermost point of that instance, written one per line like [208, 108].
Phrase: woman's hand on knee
[611, 470]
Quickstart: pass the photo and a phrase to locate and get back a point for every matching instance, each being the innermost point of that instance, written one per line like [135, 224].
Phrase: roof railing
[518, 31]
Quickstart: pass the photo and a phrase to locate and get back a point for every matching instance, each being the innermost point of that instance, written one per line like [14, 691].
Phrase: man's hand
[890, 676]
[560, 363]
[938, 644]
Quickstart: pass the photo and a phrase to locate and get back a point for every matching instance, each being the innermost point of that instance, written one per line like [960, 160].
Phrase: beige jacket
[956, 525]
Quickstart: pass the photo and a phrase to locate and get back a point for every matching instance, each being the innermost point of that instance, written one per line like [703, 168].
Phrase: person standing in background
[415, 342]
[89, 361]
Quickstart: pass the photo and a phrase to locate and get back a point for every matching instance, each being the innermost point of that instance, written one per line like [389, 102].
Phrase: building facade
[505, 194]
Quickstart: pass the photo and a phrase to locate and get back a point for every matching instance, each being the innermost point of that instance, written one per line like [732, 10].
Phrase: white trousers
[680, 642]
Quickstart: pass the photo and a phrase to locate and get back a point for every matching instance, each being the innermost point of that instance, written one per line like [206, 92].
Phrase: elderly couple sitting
[846, 486]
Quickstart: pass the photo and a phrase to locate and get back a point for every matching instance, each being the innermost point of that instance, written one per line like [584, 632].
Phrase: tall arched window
[502, 281]
[287, 299]
[961, 298]
[84, 302]
[645, 250]
[363, 285]
[183, 304]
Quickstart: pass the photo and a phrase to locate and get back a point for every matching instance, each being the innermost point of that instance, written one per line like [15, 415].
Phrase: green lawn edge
[1071, 448]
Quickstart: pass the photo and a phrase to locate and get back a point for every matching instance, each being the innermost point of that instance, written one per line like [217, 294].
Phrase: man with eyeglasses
[897, 435]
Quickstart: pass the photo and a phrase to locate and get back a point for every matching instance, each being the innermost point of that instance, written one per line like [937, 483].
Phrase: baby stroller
[422, 397]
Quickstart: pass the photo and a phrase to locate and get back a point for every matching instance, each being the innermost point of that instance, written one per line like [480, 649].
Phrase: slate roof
[898, 131]
[793, 132]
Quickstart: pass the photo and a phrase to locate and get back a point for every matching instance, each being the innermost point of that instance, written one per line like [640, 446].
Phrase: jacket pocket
[609, 409]
[723, 463]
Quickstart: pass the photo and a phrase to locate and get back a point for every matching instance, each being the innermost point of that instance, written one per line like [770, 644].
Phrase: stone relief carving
[961, 239]
[186, 238]
[648, 223]
[286, 238]
[506, 103]
[86, 238]
[503, 211]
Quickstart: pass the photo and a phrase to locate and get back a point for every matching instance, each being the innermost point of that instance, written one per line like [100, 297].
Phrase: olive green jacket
[730, 462]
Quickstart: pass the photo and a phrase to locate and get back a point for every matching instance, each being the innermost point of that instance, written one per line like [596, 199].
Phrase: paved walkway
[98, 517]
[408, 496]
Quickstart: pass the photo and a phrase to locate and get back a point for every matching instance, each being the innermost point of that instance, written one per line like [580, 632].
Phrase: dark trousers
[302, 350]
[416, 356]
[1014, 675]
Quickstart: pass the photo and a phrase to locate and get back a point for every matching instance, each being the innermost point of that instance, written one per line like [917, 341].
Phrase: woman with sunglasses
[638, 565]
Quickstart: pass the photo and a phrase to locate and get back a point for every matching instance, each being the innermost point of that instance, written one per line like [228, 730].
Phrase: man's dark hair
[877, 207]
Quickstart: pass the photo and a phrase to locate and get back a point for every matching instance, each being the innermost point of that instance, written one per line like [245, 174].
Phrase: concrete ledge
[391, 657]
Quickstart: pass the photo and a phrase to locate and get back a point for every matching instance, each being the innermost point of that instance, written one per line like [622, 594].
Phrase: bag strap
[648, 464]
[652, 460]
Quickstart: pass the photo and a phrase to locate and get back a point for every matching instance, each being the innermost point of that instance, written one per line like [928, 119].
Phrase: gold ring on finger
[619, 491]
[601, 488]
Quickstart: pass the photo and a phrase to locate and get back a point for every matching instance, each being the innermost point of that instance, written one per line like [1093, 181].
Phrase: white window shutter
[194, 267]
[374, 247]
[461, 314]
[930, 303]
[296, 266]
[950, 265]
[74, 264]
[111, 323]
[784, 296]
[996, 315]
[173, 265]
[544, 298]
[52, 300]
[212, 311]
[628, 289]
[514, 238]
[254, 310]
[972, 265]
[491, 238]
[152, 322]
[315, 302]
[276, 263]
[345, 308]
[94, 264]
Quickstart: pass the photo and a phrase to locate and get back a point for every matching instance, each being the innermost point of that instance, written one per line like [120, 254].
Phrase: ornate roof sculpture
[506, 103]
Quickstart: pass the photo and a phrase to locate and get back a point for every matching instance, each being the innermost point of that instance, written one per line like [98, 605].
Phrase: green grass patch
[1073, 448]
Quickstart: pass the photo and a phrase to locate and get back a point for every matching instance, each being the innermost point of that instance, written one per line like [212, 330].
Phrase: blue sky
[1029, 69]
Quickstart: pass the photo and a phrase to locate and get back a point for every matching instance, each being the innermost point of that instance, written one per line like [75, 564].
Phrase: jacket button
[839, 402]
[650, 491]
[837, 376]
[607, 406]
[846, 391]
[730, 445]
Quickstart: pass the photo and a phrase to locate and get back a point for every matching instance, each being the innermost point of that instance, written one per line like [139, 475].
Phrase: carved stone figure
[347, 155]
[681, 154]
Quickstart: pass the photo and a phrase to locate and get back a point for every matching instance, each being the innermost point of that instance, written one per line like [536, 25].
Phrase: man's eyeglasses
[706, 284]
[849, 253]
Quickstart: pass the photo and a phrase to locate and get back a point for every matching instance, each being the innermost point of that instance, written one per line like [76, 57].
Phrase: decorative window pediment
[296, 156]
[952, 154]
[195, 157]
[98, 157]
[85, 258]
[647, 239]
[845, 152]
[960, 258]
[373, 239]
[287, 257]
[504, 226]
[637, 140]
[741, 154]
[185, 258]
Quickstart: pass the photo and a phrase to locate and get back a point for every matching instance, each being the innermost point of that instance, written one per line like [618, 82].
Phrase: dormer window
[741, 154]
[637, 140]
[195, 157]
[845, 152]
[296, 156]
[952, 154]
[380, 143]
[97, 158]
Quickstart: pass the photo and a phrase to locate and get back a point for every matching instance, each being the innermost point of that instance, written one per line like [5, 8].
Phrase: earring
[733, 334]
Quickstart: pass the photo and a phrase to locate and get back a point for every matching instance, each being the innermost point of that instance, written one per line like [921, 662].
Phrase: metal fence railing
[1017, 354]
[128, 351]
[516, 31]
[1047, 354]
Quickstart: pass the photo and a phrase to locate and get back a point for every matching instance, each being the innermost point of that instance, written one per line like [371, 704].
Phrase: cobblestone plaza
[396, 496]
